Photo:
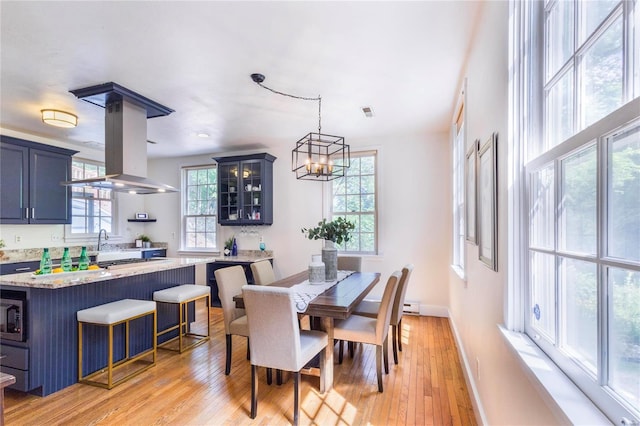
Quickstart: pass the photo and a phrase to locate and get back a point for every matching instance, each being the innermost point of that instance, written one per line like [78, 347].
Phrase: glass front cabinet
[245, 189]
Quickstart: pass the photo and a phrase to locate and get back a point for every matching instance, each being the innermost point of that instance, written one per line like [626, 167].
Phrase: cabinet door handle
[26, 268]
[33, 212]
[26, 212]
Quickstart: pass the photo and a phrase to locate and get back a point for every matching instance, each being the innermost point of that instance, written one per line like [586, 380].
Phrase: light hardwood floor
[426, 387]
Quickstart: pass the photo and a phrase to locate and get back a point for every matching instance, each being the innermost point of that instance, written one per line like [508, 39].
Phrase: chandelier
[316, 156]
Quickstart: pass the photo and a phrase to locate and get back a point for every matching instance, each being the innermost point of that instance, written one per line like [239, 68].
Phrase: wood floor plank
[426, 387]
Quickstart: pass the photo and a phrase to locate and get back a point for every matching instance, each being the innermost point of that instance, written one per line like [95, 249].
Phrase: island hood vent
[125, 144]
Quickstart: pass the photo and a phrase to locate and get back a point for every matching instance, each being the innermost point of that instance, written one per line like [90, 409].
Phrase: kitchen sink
[118, 255]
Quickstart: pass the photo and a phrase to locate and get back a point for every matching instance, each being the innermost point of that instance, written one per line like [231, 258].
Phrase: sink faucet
[106, 237]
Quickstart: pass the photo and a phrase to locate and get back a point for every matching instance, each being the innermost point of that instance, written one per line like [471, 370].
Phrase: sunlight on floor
[405, 333]
[330, 408]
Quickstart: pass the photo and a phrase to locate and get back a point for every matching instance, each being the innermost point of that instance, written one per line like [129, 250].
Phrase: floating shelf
[141, 220]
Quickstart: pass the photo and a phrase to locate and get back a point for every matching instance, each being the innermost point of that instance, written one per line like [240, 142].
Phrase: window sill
[459, 271]
[207, 253]
[558, 391]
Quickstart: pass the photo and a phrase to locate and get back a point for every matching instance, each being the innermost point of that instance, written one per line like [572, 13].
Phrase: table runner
[306, 292]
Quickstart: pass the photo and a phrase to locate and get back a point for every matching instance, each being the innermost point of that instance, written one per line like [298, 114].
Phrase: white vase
[330, 259]
[316, 270]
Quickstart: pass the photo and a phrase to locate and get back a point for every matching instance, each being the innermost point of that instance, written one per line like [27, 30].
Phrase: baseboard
[481, 417]
[434, 311]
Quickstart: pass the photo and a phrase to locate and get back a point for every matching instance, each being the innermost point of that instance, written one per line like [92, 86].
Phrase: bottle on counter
[234, 248]
[83, 262]
[45, 262]
[65, 262]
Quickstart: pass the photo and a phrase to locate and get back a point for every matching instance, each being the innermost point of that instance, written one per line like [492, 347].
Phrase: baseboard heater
[411, 308]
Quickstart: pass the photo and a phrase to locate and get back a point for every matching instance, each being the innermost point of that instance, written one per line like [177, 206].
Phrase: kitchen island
[47, 358]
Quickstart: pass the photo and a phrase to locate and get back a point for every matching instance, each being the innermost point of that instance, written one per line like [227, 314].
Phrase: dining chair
[277, 341]
[374, 331]
[262, 272]
[370, 309]
[230, 282]
[350, 263]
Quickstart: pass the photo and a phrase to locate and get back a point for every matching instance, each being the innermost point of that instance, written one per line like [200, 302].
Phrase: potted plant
[228, 245]
[336, 231]
[146, 241]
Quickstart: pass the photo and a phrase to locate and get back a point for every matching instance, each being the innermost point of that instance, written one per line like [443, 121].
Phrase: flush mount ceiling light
[58, 118]
[316, 156]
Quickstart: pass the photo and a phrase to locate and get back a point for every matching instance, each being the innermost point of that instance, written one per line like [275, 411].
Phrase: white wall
[414, 201]
[477, 306]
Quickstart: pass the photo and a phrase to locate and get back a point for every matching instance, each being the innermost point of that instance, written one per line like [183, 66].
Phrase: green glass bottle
[83, 262]
[65, 262]
[45, 262]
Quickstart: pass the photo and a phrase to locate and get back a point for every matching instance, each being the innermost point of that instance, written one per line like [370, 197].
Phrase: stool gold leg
[79, 351]
[110, 359]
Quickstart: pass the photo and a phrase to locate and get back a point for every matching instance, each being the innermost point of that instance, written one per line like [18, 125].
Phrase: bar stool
[182, 295]
[111, 315]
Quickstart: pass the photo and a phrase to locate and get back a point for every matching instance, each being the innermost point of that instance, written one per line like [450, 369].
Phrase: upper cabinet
[245, 189]
[30, 176]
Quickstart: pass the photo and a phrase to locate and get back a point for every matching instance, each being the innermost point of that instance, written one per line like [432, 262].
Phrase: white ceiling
[403, 59]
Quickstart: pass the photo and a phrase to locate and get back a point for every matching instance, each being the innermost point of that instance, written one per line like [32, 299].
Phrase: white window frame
[359, 154]
[526, 101]
[459, 161]
[113, 234]
[183, 209]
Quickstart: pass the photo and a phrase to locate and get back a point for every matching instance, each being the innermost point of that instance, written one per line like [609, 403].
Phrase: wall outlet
[18, 238]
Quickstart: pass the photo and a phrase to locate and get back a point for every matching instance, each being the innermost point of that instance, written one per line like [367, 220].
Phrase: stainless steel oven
[12, 316]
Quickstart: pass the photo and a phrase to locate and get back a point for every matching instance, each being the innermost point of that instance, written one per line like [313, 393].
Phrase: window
[91, 209]
[459, 161]
[582, 295]
[354, 198]
[199, 208]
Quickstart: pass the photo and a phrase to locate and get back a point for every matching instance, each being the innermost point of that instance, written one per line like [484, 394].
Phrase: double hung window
[583, 193]
[354, 198]
[91, 209]
[199, 208]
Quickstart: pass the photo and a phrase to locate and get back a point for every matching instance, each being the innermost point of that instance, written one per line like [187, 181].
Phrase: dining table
[336, 302]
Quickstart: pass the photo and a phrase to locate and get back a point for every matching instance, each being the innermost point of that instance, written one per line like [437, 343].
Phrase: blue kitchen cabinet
[30, 176]
[245, 189]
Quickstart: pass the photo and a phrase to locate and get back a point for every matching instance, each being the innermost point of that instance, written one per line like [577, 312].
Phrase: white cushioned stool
[111, 315]
[183, 295]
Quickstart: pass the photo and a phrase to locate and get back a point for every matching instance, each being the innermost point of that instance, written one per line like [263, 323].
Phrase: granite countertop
[68, 279]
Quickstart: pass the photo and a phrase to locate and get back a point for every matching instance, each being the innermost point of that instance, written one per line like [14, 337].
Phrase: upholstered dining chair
[276, 339]
[350, 263]
[262, 272]
[374, 331]
[230, 282]
[370, 309]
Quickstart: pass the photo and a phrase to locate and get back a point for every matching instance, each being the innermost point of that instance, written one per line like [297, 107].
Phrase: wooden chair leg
[296, 397]
[254, 391]
[269, 376]
[385, 352]
[400, 335]
[278, 377]
[227, 368]
[248, 350]
[351, 346]
[340, 348]
[394, 338]
[379, 366]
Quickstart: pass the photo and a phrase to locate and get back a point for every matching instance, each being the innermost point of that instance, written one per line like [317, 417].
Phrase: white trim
[563, 397]
[476, 401]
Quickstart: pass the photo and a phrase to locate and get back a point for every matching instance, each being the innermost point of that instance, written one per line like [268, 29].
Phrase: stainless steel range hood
[126, 114]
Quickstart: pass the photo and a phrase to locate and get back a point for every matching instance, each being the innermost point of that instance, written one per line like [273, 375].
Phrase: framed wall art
[471, 192]
[488, 203]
